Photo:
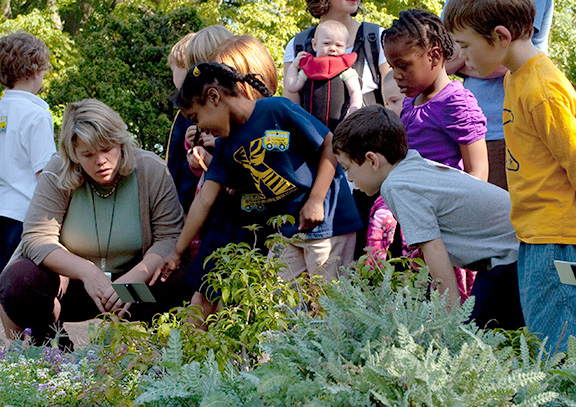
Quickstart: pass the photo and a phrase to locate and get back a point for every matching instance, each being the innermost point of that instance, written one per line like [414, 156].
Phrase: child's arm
[437, 260]
[197, 215]
[355, 92]
[312, 213]
[293, 81]
[475, 159]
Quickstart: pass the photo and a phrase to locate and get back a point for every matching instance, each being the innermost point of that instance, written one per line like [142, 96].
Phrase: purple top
[437, 128]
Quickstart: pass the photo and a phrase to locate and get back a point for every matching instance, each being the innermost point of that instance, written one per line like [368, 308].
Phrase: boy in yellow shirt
[540, 130]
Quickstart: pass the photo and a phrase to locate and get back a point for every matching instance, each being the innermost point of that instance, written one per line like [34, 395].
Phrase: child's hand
[190, 135]
[311, 215]
[198, 158]
[207, 139]
[169, 264]
[296, 62]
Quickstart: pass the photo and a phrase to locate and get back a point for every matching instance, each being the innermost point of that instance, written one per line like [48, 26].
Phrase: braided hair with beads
[422, 29]
[203, 76]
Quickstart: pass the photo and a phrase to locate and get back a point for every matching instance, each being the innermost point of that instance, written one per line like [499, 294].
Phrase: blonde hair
[204, 43]
[22, 55]
[177, 55]
[331, 26]
[248, 54]
[97, 125]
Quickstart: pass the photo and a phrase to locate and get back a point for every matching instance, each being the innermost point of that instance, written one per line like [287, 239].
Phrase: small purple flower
[27, 332]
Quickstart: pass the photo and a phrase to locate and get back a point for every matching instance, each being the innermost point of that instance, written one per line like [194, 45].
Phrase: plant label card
[566, 271]
[133, 292]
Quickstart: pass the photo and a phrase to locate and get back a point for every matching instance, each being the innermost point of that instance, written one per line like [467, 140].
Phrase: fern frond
[172, 354]
[271, 382]
[539, 399]
[220, 399]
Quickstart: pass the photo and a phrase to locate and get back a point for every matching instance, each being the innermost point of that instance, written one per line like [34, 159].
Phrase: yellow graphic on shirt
[276, 140]
[3, 121]
[271, 185]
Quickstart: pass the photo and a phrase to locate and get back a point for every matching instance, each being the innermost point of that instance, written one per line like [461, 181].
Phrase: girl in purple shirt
[443, 120]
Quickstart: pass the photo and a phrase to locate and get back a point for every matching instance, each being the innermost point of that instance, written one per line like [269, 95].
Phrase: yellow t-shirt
[540, 130]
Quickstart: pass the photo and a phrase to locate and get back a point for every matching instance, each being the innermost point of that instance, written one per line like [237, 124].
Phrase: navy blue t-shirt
[272, 160]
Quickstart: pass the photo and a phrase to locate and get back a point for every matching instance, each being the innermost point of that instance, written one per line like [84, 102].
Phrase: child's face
[330, 43]
[212, 116]
[178, 75]
[393, 98]
[413, 67]
[479, 54]
[363, 176]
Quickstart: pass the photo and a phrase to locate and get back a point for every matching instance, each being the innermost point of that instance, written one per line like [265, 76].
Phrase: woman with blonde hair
[103, 211]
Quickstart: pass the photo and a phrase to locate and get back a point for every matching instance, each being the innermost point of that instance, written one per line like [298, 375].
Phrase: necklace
[107, 194]
[103, 258]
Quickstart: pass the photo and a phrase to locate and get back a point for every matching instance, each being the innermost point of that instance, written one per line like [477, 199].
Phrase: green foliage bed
[379, 337]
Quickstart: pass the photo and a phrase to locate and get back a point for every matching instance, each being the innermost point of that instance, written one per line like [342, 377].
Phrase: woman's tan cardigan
[161, 214]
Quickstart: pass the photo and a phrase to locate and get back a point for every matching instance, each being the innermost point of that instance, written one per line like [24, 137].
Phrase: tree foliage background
[116, 50]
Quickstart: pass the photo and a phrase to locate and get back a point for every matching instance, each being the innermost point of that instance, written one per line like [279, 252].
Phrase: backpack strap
[371, 48]
[303, 41]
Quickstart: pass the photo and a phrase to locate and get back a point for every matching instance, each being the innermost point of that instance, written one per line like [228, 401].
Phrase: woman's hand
[113, 303]
[169, 264]
[99, 288]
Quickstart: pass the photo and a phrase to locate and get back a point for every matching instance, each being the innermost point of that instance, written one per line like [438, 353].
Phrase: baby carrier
[325, 94]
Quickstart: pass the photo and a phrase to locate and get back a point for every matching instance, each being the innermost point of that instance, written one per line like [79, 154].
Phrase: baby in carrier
[328, 85]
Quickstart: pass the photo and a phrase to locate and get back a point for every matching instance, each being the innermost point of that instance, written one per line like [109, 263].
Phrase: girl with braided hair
[279, 159]
[443, 120]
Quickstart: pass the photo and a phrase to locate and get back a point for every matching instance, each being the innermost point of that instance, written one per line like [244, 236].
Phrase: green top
[90, 218]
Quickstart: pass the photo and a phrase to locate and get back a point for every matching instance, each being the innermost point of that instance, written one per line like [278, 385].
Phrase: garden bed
[380, 337]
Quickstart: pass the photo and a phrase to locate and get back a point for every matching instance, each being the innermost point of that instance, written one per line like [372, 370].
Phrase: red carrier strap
[324, 68]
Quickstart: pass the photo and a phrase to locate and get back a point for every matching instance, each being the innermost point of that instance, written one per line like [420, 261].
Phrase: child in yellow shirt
[540, 131]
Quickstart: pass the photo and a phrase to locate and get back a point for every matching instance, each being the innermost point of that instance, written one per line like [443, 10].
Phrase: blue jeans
[547, 304]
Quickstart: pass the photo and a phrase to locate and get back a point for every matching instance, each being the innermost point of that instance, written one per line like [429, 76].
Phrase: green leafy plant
[383, 343]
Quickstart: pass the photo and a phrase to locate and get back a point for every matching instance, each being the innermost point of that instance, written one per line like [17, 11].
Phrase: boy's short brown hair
[177, 55]
[371, 128]
[485, 15]
[22, 55]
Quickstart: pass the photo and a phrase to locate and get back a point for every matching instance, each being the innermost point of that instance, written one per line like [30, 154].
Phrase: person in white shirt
[26, 132]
